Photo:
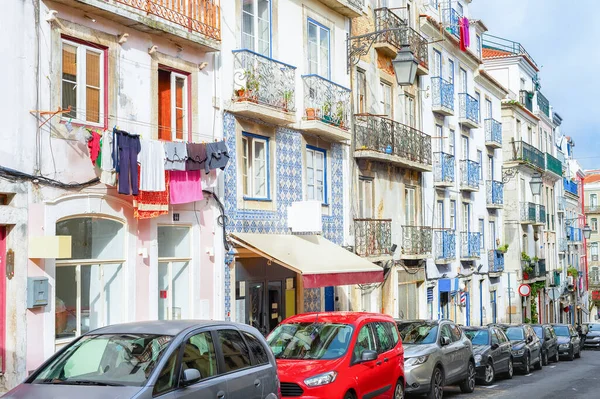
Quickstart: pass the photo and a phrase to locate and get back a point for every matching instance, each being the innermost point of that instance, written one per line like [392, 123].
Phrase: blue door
[329, 299]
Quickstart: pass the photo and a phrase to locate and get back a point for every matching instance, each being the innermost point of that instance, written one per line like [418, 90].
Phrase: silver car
[436, 353]
[166, 359]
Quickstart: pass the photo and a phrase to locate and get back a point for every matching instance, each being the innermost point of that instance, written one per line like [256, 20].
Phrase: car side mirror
[368, 356]
[190, 377]
[495, 346]
[445, 341]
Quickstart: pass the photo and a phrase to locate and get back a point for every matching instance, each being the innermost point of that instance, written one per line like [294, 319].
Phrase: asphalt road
[577, 379]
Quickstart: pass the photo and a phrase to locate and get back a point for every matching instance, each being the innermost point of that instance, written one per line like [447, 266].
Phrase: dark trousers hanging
[129, 148]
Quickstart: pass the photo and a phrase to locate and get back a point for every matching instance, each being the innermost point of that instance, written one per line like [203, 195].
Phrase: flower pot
[525, 276]
[310, 114]
[328, 119]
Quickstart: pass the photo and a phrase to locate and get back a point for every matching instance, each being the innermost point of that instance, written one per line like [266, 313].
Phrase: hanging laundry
[152, 161]
[217, 156]
[467, 32]
[185, 187]
[196, 153]
[175, 155]
[128, 149]
[94, 146]
[108, 175]
[151, 204]
[463, 24]
[99, 159]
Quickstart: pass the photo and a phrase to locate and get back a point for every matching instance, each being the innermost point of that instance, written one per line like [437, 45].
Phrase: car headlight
[520, 352]
[478, 358]
[321, 379]
[563, 346]
[415, 361]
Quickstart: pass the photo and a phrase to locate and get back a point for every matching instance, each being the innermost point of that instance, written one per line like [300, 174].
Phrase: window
[409, 117]
[594, 224]
[451, 141]
[490, 171]
[199, 354]
[495, 339]
[445, 332]
[482, 232]
[456, 333]
[386, 99]
[318, 49]
[593, 200]
[89, 286]
[465, 216]
[173, 115]
[462, 81]
[488, 107]
[440, 214]
[465, 147]
[480, 160]
[167, 379]
[450, 71]
[364, 342]
[361, 91]
[437, 64]
[478, 98]
[83, 86]
[316, 174]
[439, 132]
[257, 349]
[518, 133]
[256, 26]
[453, 215]
[594, 251]
[365, 197]
[384, 337]
[478, 42]
[174, 277]
[235, 352]
[459, 8]
[409, 207]
[492, 235]
[255, 166]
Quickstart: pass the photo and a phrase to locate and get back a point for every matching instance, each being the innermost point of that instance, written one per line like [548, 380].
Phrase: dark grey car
[547, 337]
[492, 351]
[569, 343]
[166, 359]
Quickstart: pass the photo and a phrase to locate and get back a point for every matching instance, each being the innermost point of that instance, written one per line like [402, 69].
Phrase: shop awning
[320, 262]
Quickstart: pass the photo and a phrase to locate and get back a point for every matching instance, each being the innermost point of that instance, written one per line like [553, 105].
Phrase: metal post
[509, 300]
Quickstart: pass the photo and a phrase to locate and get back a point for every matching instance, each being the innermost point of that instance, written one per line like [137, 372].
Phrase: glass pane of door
[113, 289]
[181, 291]
[91, 300]
[66, 302]
[164, 286]
[256, 308]
[275, 303]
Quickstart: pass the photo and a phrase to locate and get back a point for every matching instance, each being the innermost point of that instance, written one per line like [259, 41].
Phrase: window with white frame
[82, 86]
[451, 142]
[386, 99]
[89, 286]
[450, 71]
[478, 98]
[361, 91]
[466, 216]
[437, 64]
[488, 107]
[410, 211]
[453, 215]
[438, 144]
[478, 43]
[482, 232]
[593, 200]
[316, 174]
[255, 166]
[256, 26]
[490, 171]
[480, 160]
[318, 49]
[174, 275]
[410, 111]
[594, 251]
[172, 105]
[594, 224]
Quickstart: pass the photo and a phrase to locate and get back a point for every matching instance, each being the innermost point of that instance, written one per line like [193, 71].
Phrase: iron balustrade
[470, 244]
[381, 134]
[528, 212]
[450, 19]
[442, 93]
[543, 104]
[571, 187]
[445, 244]
[416, 240]
[443, 167]
[540, 214]
[469, 107]
[264, 80]
[526, 98]
[326, 101]
[373, 237]
[553, 165]
[493, 131]
[359, 4]
[522, 151]
[574, 234]
[495, 261]
[495, 192]
[508, 46]
[469, 174]
[592, 208]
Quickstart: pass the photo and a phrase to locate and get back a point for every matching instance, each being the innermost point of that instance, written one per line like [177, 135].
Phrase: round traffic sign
[524, 290]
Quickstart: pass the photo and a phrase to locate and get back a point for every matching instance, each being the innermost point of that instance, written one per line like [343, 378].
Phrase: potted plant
[240, 94]
[339, 113]
[535, 259]
[327, 112]
[252, 86]
[502, 249]
[287, 97]
[527, 270]
[571, 271]
[310, 114]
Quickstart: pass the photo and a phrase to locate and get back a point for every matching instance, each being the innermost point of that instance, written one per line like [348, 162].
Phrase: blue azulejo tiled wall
[288, 189]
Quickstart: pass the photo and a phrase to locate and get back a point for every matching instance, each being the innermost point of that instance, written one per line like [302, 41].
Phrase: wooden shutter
[164, 105]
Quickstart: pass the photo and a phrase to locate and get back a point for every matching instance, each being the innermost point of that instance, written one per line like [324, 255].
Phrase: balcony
[553, 165]
[543, 104]
[326, 109]
[494, 194]
[450, 19]
[540, 215]
[470, 246]
[507, 46]
[373, 237]
[555, 279]
[469, 111]
[561, 204]
[528, 213]
[535, 271]
[520, 151]
[495, 262]
[381, 139]
[562, 245]
[469, 175]
[574, 235]
[443, 169]
[526, 98]
[416, 242]
[348, 8]
[592, 209]
[571, 187]
[445, 245]
[263, 88]
[493, 133]
[442, 96]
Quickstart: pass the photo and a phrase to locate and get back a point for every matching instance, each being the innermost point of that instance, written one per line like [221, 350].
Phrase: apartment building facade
[592, 213]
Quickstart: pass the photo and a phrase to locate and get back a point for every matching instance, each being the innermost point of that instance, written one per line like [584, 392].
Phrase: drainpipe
[509, 301]
[481, 302]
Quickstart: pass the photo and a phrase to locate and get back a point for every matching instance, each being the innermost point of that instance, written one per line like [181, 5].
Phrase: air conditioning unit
[305, 217]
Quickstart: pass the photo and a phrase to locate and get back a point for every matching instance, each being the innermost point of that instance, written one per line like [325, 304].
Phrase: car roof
[476, 327]
[337, 317]
[159, 327]
[428, 321]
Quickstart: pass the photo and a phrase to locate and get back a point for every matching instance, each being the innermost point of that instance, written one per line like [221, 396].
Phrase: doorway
[264, 304]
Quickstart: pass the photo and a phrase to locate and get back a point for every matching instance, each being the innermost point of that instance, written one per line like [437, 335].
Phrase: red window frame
[188, 76]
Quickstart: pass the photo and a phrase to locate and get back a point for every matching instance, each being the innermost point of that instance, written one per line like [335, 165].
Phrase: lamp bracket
[358, 46]
[508, 174]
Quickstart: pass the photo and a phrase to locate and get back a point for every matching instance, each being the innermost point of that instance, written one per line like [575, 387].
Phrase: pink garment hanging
[185, 186]
[467, 33]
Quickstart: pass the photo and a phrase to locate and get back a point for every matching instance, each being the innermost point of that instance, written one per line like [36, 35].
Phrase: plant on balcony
[571, 271]
[327, 118]
[502, 249]
[339, 114]
[535, 259]
[287, 97]
[310, 114]
[525, 257]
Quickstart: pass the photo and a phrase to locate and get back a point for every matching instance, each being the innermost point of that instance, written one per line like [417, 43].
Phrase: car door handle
[378, 363]
[385, 359]
[220, 395]
[257, 383]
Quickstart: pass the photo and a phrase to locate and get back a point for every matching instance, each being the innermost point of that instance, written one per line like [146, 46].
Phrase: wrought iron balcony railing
[470, 245]
[358, 4]
[540, 214]
[443, 168]
[522, 151]
[445, 245]
[373, 237]
[528, 212]
[526, 98]
[416, 240]
[495, 192]
[574, 234]
[442, 94]
[263, 80]
[450, 19]
[571, 187]
[543, 104]
[381, 134]
[326, 101]
[508, 46]
[495, 261]
[469, 108]
[553, 165]
[592, 209]
[469, 174]
[493, 132]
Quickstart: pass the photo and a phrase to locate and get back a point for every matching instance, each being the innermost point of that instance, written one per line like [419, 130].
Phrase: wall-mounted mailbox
[37, 292]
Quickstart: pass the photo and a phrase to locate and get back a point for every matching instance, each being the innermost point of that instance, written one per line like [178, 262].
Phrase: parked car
[437, 353]
[178, 359]
[526, 346]
[349, 353]
[492, 352]
[569, 342]
[546, 334]
[592, 339]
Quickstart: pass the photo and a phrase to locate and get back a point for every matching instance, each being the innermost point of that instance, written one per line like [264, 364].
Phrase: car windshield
[310, 340]
[515, 333]
[478, 337]
[594, 327]
[418, 333]
[562, 331]
[538, 331]
[107, 359]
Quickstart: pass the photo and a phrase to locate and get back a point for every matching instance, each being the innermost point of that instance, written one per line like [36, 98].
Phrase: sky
[562, 37]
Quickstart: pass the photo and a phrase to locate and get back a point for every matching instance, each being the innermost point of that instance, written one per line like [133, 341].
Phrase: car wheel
[571, 354]
[490, 374]
[540, 362]
[437, 385]
[468, 384]
[399, 390]
[545, 358]
[556, 357]
[349, 395]
[578, 355]
[511, 369]
[527, 364]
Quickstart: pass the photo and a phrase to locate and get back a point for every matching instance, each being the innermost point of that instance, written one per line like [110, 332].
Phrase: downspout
[481, 302]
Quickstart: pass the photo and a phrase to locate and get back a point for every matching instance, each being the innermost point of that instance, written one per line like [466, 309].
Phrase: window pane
[66, 302]
[248, 24]
[199, 353]
[113, 291]
[364, 342]
[91, 289]
[181, 290]
[245, 166]
[179, 107]
[384, 338]
[257, 349]
[92, 76]
[263, 27]
[92, 105]
[168, 375]
[235, 351]
[164, 286]
[173, 242]
[69, 76]
[86, 359]
[93, 238]
[260, 171]
[324, 56]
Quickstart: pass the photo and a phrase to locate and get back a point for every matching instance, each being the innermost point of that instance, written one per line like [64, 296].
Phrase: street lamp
[536, 184]
[405, 66]
[587, 231]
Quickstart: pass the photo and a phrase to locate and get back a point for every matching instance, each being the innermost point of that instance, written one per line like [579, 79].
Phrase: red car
[339, 355]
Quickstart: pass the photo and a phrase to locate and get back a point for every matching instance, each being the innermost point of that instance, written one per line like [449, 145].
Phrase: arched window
[89, 286]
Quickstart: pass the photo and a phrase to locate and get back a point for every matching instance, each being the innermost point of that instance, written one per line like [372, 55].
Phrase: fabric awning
[321, 262]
